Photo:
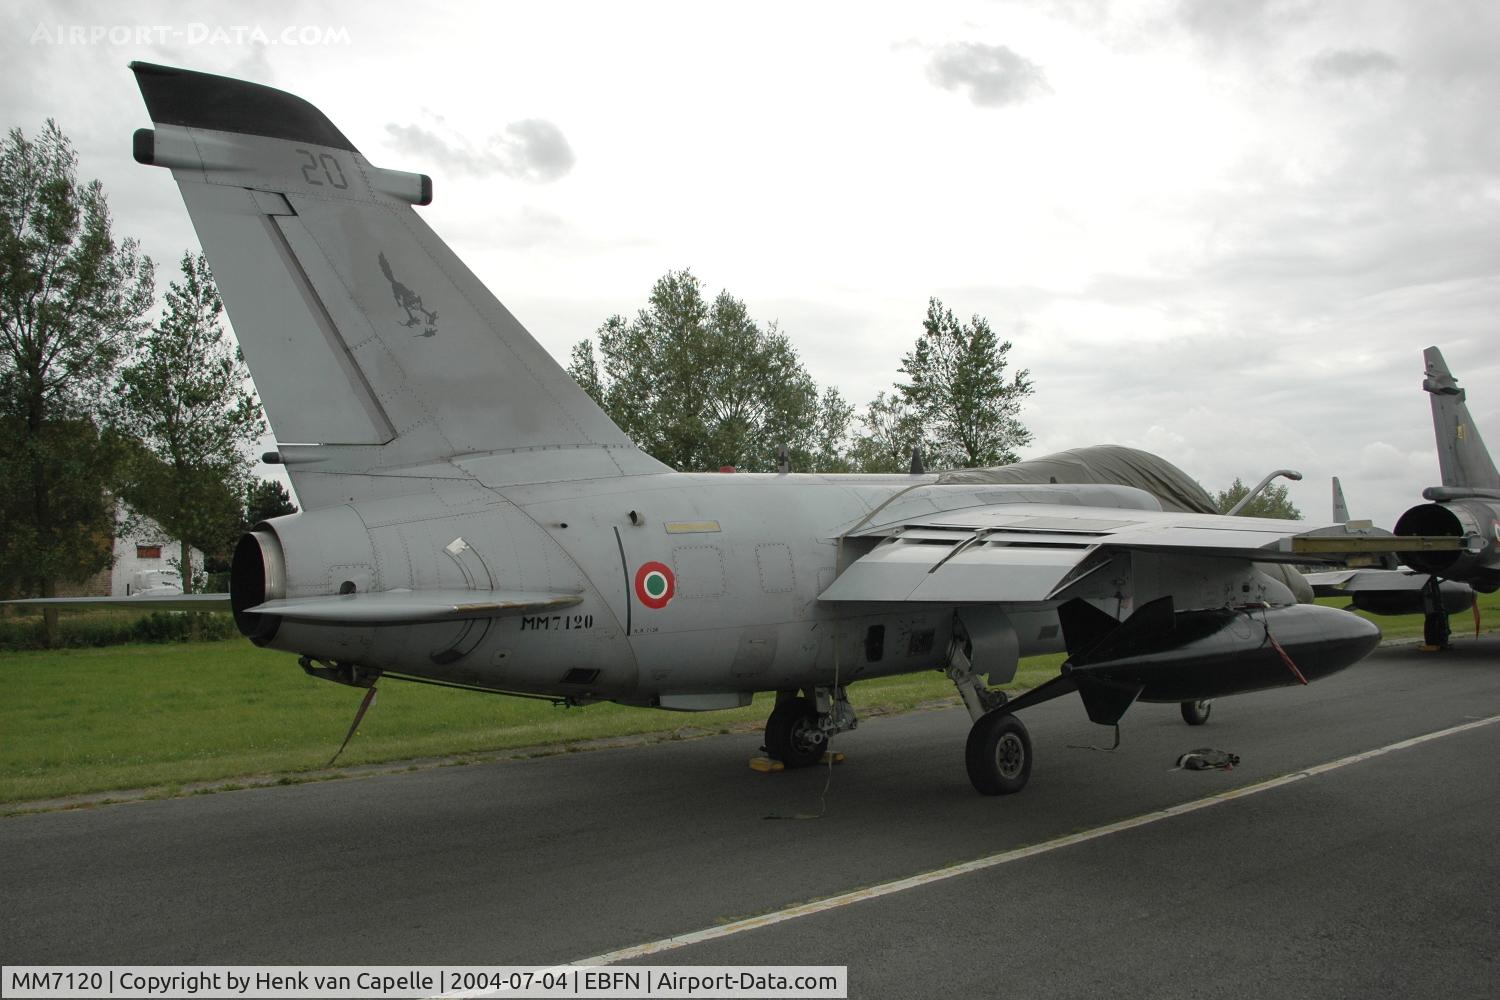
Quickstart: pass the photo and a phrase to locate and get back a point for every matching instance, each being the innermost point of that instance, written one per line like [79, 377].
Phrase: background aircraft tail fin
[368, 338]
[1462, 457]
[1340, 508]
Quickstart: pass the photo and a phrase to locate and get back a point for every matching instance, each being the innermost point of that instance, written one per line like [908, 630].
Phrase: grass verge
[89, 720]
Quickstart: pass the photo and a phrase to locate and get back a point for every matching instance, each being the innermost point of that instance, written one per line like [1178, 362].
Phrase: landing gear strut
[799, 728]
[998, 754]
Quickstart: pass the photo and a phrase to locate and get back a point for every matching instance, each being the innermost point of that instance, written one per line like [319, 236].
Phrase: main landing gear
[800, 725]
[1195, 713]
[998, 753]
[1435, 628]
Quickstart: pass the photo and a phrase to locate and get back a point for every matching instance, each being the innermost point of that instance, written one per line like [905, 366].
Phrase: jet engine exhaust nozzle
[257, 574]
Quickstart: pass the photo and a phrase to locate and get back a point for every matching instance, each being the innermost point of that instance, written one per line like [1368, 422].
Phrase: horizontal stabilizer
[411, 607]
[1446, 494]
[165, 602]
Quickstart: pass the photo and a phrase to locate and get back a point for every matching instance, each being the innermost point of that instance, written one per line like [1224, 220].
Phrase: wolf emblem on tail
[411, 302]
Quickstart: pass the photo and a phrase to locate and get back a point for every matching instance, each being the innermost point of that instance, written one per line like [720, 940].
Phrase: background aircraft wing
[165, 602]
[1337, 582]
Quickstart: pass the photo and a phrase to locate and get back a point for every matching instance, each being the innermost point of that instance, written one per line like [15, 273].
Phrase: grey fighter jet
[1467, 505]
[472, 518]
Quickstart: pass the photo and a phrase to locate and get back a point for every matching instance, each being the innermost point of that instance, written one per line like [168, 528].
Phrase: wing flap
[915, 571]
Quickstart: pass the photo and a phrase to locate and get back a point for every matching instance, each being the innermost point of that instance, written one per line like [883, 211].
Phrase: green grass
[89, 720]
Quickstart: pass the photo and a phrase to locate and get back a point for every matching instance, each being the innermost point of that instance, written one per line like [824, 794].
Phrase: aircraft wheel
[1195, 713]
[1435, 630]
[793, 735]
[998, 754]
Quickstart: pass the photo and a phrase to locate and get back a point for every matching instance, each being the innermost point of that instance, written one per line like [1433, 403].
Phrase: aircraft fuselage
[694, 588]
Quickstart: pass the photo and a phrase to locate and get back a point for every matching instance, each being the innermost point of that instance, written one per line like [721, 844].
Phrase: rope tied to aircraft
[1280, 650]
[364, 706]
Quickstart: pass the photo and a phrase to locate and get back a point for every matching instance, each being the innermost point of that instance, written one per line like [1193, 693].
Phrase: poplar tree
[958, 389]
[186, 398]
[71, 301]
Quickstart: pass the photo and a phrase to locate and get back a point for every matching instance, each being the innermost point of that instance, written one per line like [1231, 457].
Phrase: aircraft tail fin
[1340, 508]
[1462, 457]
[374, 348]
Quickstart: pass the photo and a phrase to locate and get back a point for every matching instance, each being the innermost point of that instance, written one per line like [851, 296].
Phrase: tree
[71, 302]
[892, 430]
[831, 433]
[700, 385]
[184, 398]
[967, 410]
[1272, 502]
[265, 499]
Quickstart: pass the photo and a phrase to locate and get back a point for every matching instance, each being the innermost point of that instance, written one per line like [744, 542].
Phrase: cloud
[1346, 64]
[254, 64]
[994, 74]
[533, 149]
[1242, 23]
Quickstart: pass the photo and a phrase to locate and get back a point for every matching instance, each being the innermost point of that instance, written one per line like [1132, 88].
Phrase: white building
[145, 561]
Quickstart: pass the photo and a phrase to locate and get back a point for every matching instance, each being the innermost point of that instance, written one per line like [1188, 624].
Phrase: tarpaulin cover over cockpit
[1104, 463]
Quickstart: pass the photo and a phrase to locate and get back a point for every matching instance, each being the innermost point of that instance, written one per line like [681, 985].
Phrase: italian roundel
[655, 585]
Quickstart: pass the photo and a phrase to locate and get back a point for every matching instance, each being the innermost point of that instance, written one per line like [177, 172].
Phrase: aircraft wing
[164, 602]
[1021, 553]
[411, 607]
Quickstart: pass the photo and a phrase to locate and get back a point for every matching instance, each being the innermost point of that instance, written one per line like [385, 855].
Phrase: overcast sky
[1220, 230]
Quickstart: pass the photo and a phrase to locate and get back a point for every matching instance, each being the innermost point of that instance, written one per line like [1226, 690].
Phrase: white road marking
[1006, 857]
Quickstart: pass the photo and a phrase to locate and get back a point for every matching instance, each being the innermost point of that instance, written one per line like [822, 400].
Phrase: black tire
[1435, 629]
[1195, 713]
[793, 736]
[998, 754]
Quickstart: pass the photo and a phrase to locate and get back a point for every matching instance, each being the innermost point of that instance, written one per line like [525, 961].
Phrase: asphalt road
[1379, 878]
